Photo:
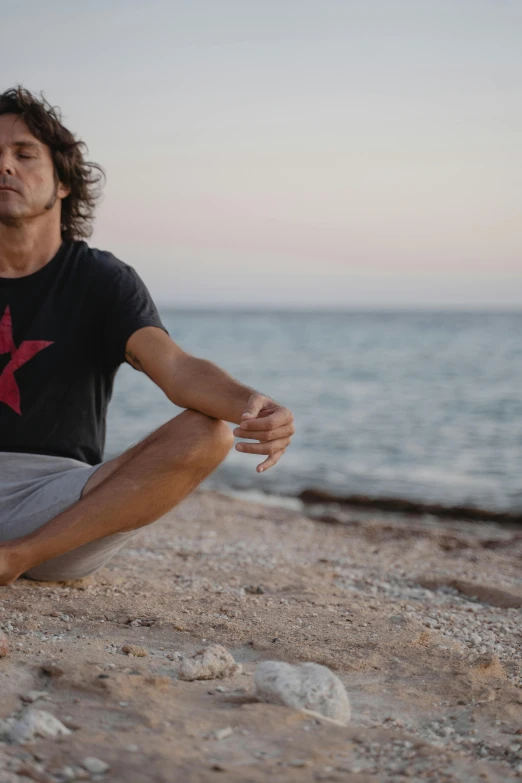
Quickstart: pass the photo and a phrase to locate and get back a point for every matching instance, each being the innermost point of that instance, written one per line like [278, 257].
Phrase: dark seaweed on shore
[404, 506]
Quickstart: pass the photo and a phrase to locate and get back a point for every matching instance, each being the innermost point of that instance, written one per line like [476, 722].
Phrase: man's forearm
[205, 387]
[200, 385]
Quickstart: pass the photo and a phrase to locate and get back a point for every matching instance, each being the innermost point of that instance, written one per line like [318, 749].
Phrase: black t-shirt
[63, 332]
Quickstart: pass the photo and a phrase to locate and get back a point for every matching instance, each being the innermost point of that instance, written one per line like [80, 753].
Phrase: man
[69, 316]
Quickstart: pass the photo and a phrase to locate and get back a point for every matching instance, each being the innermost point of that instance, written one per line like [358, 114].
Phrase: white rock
[37, 723]
[95, 766]
[212, 663]
[308, 686]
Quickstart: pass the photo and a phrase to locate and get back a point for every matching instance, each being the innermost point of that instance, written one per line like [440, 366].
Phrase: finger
[254, 405]
[270, 461]
[265, 412]
[278, 418]
[281, 432]
[264, 448]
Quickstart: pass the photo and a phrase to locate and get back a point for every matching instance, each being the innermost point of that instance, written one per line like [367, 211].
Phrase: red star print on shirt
[9, 391]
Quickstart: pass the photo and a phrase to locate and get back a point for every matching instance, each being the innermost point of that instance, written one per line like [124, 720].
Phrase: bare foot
[11, 565]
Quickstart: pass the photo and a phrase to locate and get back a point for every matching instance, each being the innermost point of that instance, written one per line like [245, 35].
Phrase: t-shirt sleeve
[130, 307]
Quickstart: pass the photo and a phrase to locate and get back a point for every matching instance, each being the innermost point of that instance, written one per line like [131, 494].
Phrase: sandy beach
[419, 618]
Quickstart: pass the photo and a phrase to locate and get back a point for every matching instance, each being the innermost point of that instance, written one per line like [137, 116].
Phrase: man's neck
[24, 251]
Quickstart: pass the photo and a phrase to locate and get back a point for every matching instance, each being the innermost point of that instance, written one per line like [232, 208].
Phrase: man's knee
[212, 433]
[204, 438]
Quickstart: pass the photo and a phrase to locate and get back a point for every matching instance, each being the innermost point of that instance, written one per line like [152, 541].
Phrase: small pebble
[133, 649]
[51, 669]
[221, 734]
[33, 696]
[254, 589]
[4, 647]
[68, 773]
[95, 766]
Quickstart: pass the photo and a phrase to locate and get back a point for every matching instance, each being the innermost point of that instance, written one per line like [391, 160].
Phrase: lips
[2, 187]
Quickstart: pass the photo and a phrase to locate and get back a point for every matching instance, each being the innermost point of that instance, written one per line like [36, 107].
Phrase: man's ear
[63, 190]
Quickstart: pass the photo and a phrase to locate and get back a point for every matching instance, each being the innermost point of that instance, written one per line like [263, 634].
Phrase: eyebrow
[22, 143]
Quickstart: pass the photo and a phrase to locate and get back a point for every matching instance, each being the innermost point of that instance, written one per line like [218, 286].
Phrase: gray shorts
[34, 488]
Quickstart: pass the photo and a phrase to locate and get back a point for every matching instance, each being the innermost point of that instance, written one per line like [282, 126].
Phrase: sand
[420, 619]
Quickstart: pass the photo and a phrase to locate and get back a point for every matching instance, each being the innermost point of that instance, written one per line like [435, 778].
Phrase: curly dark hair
[85, 179]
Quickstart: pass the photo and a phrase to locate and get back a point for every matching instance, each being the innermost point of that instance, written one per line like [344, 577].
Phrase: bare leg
[129, 492]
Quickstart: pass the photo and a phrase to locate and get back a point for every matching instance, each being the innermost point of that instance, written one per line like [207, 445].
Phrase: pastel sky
[363, 153]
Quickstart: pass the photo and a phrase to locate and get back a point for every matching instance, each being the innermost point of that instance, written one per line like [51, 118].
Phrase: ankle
[13, 562]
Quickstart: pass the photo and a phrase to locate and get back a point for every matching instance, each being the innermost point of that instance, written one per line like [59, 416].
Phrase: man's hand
[270, 424]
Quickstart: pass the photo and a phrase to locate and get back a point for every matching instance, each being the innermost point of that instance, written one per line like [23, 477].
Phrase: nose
[6, 164]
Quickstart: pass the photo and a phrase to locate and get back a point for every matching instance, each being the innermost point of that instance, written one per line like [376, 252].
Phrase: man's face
[28, 186]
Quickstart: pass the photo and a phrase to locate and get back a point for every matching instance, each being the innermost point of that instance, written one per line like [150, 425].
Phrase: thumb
[254, 405]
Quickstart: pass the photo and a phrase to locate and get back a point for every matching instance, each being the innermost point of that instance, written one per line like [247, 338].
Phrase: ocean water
[425, 406]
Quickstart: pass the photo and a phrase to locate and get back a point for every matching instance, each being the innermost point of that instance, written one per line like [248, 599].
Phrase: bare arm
[195, 383]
